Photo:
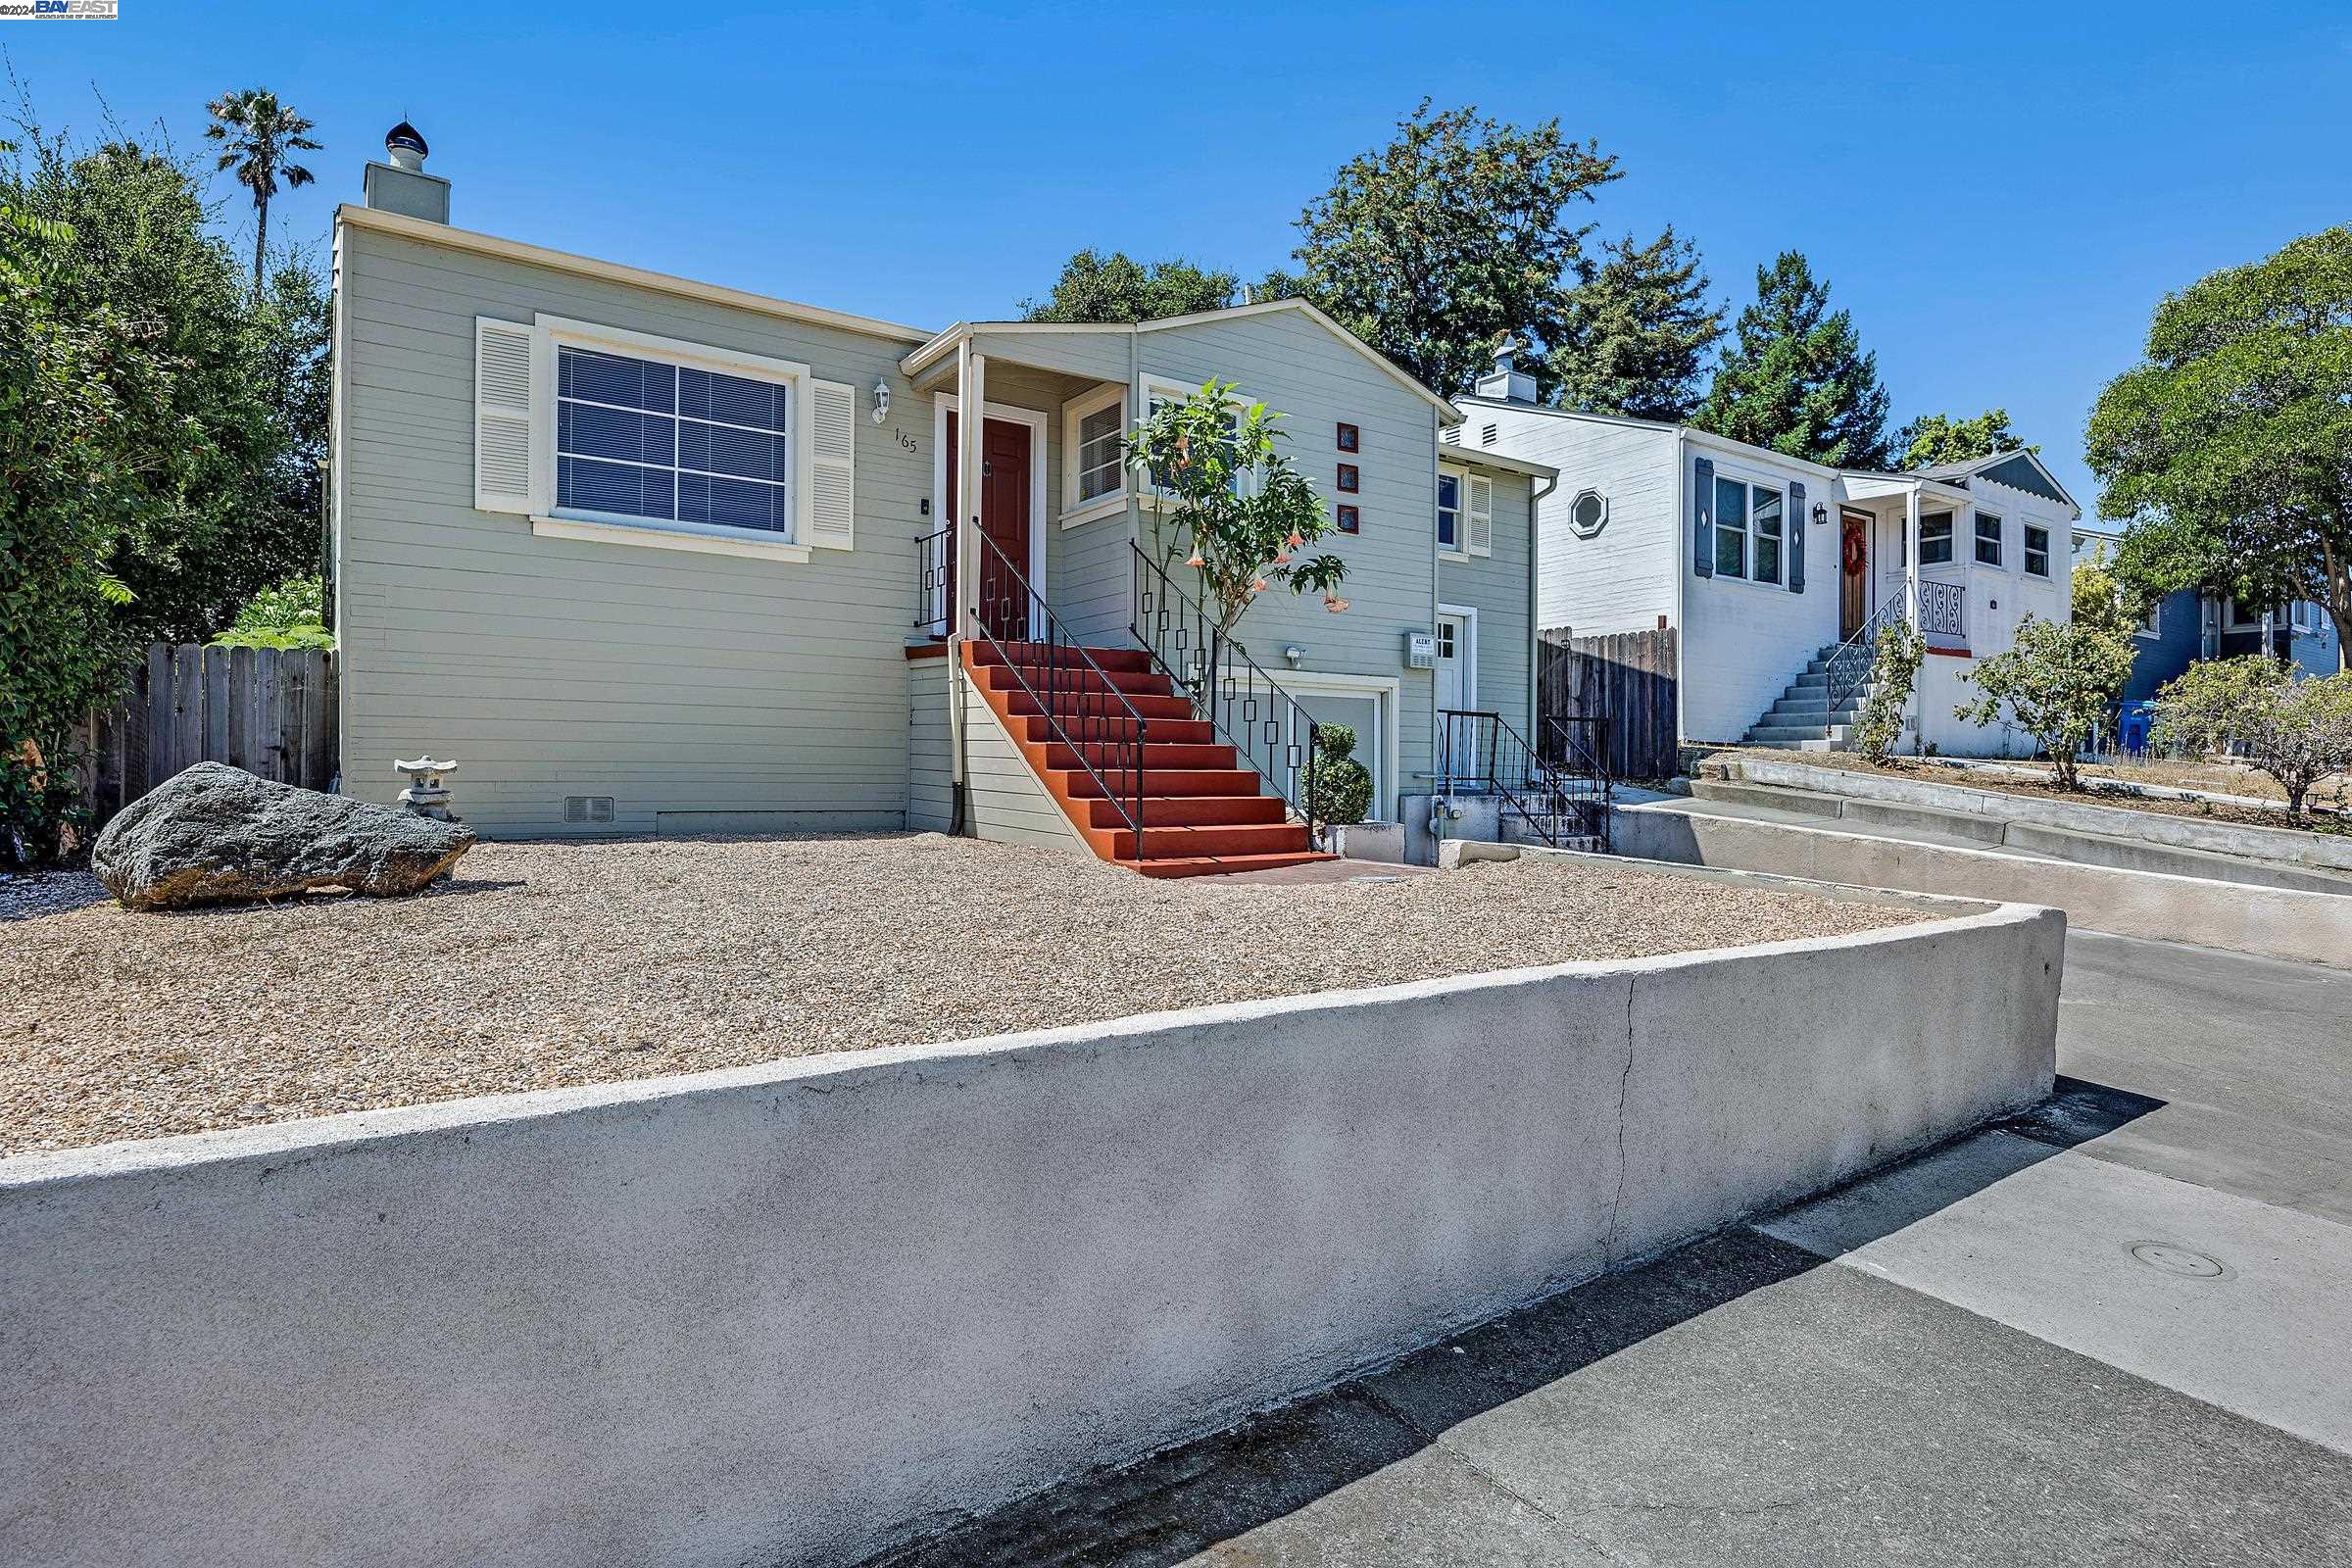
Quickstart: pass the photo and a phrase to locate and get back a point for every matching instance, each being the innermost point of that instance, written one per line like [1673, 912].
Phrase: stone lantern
[426, 795]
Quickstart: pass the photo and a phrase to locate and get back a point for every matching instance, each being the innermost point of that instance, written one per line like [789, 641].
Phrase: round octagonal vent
[1588, 513]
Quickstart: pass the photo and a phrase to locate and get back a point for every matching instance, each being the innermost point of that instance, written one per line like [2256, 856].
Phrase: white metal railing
[1942, 609]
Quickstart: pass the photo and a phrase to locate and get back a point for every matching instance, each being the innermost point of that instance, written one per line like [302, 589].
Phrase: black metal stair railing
[1273, 735]
[1849, 666]
[934, 568]
[1084, 709]
[1480, 753]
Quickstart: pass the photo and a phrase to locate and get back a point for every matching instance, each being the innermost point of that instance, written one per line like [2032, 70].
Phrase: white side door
[1458, 687]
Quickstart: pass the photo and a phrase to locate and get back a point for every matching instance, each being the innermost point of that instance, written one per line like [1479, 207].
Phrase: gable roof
[429, 233]
[2018, 470]
[931, 352]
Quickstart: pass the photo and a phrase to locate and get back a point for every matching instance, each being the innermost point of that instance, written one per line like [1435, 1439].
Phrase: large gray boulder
[215, 834]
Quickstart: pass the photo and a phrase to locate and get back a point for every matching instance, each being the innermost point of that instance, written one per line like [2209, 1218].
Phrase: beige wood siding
[676, 683]
[1300, 369]
[1496, 587]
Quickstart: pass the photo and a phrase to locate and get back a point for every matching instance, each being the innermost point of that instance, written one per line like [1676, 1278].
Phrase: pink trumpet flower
[1258, 587]
[1335, 606]
[1295, 541]
[1195, 560]
[1282, 558]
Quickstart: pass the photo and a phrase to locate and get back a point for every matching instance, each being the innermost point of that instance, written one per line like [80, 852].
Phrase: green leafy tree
[2296, 729]
[85, 469]
[291, 615]
[1235, 501]
[2228, 451]
[259, 136]
[1637, 331]
[2101, 600]
[1894, 673]
[1934, 439]
[245, 407]
[1451, 236]
[1795, 377]
[1094, 288]
[2058, 683]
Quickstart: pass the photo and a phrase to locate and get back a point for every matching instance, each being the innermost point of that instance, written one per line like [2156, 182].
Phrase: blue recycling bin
[2133, 725]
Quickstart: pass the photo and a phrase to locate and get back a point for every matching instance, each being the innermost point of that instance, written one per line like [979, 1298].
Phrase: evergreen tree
[1797, 378]
[1453, 235]
[1094, 288]
[1637, 332]
[1934, 439]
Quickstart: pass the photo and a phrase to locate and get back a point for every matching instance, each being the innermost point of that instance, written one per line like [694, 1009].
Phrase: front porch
[1902, 555]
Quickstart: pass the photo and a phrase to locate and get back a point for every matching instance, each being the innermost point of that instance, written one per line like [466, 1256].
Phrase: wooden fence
[1629, 679]
[269, 710]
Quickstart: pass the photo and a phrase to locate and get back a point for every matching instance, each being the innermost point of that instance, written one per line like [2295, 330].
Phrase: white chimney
[1505, 382]
[401, 184]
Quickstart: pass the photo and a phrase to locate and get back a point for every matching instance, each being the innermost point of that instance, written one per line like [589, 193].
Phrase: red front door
[1005, 451]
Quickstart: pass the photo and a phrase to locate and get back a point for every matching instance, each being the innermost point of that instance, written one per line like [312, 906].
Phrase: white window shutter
[1479, 533]
[502, 404]
[833, 453]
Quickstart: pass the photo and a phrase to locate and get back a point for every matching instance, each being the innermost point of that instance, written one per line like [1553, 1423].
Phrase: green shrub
[2058, 683]
[1343, 789]
[2298, 731]
[1892, 675]
[288, 616]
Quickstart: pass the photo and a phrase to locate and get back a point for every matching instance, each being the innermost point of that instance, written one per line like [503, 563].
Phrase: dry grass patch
[547, 964]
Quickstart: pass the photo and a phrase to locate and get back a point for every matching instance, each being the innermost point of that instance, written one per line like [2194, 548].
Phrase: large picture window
[642, 439]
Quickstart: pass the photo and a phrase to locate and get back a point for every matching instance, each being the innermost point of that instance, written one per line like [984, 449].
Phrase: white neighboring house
[1769, 566]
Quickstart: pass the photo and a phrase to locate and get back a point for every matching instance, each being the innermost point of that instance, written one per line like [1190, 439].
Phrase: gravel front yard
[548, 964]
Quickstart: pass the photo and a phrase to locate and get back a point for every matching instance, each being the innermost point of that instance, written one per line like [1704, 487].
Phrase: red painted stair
[1203, 812]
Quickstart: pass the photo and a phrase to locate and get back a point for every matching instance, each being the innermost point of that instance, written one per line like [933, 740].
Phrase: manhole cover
[2178, 1260]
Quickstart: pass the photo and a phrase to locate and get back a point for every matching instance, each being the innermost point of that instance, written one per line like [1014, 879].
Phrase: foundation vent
[587, 808]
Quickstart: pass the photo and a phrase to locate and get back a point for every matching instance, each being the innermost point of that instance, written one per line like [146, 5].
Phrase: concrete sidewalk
[2112, 1330]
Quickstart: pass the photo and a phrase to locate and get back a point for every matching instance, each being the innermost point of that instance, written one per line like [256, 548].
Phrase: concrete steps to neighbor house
[1801, 719]
[1203, 813]
[1934, 824]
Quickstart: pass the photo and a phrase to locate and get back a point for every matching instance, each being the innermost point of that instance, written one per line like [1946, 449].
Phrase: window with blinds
[641, 439]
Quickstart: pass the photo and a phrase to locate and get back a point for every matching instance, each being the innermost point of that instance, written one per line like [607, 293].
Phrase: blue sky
[1999, 193]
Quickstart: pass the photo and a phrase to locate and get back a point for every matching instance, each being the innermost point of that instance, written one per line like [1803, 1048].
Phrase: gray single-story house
[647, 555]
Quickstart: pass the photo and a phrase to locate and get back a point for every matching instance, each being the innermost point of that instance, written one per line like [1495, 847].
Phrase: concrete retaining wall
[2278, 923]
[2288, 844]
[790, 1313]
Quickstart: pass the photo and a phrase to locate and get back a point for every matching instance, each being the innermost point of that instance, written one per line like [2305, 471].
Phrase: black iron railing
[1258, 719]
[1481, 754]
[934, 573]
[1943, 608]
[1084, 709]
[1849, 668]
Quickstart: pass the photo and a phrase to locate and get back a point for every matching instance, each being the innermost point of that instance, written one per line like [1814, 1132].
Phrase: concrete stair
[1802, 720]
[1203, 812]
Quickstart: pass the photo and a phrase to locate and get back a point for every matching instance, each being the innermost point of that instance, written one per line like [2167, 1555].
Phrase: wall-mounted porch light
[881, 401]
[1294, 654]
[1821, 514]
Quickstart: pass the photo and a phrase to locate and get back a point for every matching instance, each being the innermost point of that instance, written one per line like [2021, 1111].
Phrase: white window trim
[1467, 655]
[1077, 513]
[944, 404]
[1953, 539]
[548, 332]
[2024, 549]
[1778, 487]
[1389, 691]
[1151, 386]
[1977, 540]
[1461, 515]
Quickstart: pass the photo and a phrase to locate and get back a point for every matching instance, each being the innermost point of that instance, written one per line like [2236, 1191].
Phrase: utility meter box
[1420, 650]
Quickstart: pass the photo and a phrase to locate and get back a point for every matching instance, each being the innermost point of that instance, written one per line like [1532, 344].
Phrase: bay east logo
[57, 10]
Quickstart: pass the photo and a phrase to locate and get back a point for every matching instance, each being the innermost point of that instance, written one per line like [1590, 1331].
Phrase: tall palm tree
[259, 132]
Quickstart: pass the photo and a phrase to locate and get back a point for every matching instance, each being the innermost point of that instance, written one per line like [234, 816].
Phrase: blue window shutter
[1702, 518]
[1797, 537]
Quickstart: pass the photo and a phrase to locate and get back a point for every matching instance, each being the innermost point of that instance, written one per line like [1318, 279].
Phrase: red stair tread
[1203, 813]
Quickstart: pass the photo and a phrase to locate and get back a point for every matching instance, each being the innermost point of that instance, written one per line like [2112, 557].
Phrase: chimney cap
[406, 136]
